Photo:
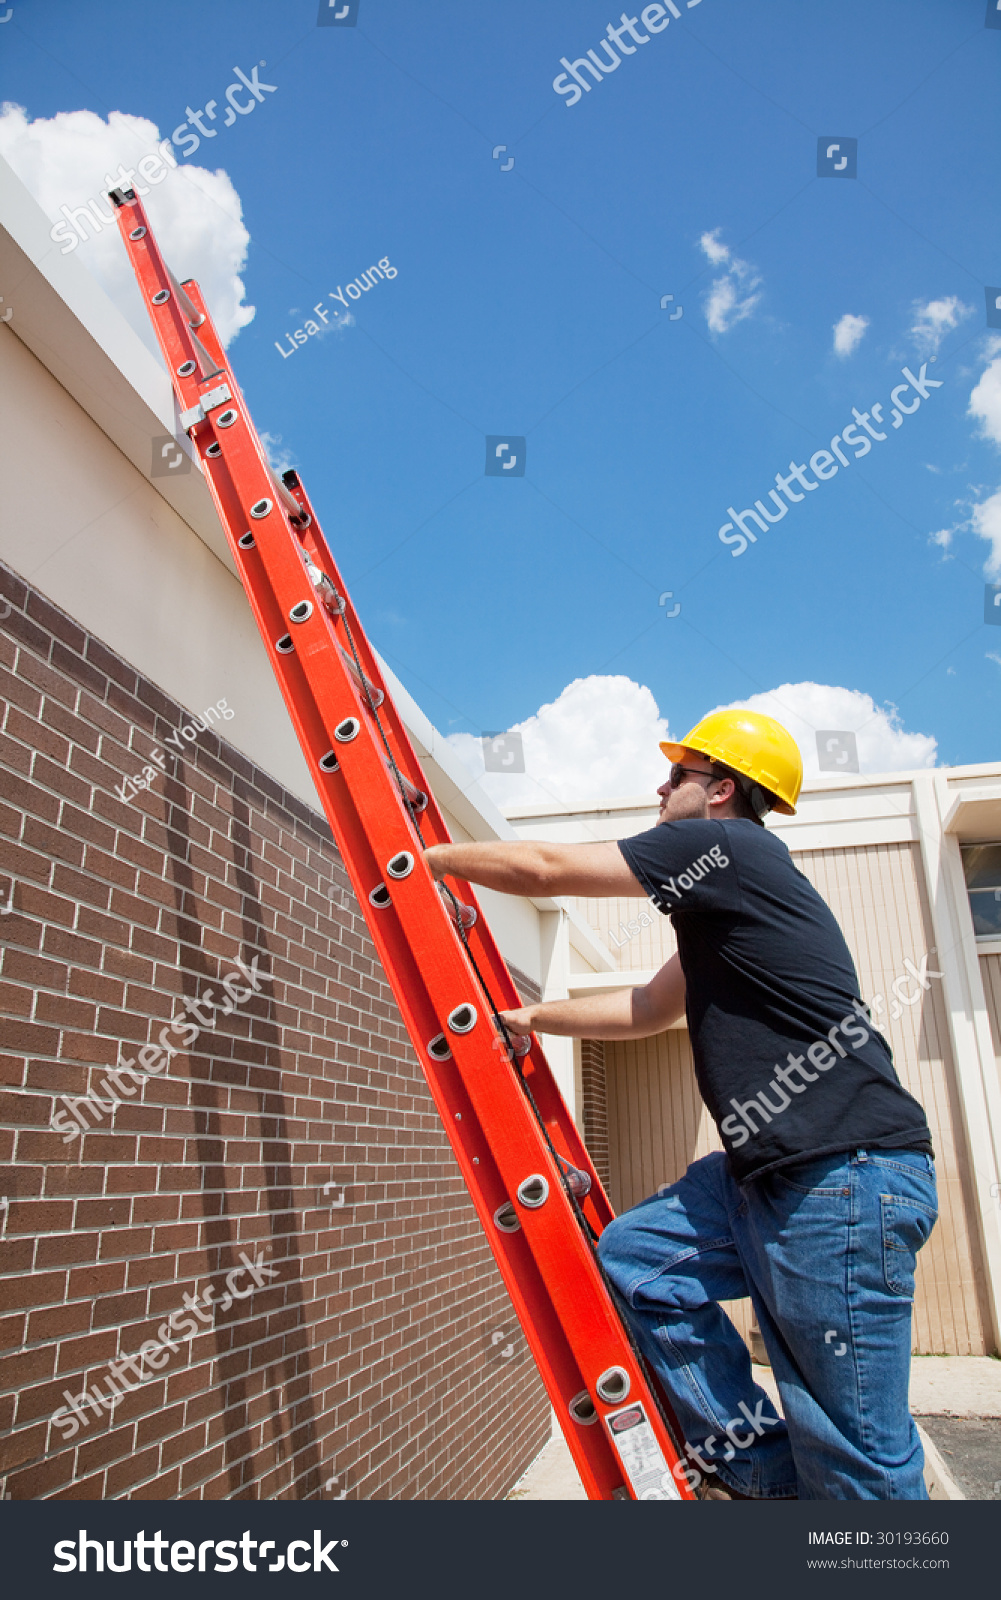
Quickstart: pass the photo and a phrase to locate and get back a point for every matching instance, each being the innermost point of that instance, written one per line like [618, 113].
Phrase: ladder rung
[187, 305]
[290, 502]
[365, 684]
[418, 799]
[465, 914]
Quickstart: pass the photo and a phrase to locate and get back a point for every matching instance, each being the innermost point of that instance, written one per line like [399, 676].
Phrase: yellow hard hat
[752, 744]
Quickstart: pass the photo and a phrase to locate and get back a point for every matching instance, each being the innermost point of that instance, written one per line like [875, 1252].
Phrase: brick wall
[365, 1355]
[594, 1106]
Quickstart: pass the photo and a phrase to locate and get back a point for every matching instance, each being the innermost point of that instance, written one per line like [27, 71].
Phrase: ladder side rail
[553, 1232]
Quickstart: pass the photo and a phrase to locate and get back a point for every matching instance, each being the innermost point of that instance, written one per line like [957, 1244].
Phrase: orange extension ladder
[520, 1154]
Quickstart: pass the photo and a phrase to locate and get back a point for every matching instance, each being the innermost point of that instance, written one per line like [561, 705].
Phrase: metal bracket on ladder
[207, 402]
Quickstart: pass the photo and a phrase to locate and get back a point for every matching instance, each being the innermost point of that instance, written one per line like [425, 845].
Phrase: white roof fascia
[76, 331]
[974, 812]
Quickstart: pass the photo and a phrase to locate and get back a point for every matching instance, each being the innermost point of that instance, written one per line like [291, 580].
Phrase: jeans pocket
[906, 1226]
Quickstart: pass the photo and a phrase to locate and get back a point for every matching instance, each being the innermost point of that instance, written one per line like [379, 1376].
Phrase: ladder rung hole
[161, 297]
[438, 1048]
[246, 541]
[533, 1191]
[380, 897]
[462, 1019]
[284, 645]
[300, 612]
[261, 508]
[138, 233]
[187, 367]
[613, 1385]
[583, 1410]
[226, 418]
[402, 865]
[214, 449]
[347, 730]
[506, 1218]
[329, 762]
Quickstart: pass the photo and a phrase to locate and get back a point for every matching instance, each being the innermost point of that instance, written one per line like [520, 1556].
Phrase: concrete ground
[956, 1401]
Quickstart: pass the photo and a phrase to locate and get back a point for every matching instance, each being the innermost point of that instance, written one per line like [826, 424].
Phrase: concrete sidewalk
[941, 1386]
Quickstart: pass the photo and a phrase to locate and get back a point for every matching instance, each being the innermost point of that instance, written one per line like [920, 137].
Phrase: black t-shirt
[786, 1057]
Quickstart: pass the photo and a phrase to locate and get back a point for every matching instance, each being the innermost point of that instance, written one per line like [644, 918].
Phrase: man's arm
[528, 867]
[625, 1014]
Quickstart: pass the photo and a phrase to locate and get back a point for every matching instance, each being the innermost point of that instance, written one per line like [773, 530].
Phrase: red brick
[315, 1076]
[42, 1479]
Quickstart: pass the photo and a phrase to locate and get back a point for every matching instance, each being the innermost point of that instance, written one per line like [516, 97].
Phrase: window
[982, 868]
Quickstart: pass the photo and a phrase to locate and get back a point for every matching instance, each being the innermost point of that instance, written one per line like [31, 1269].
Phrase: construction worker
[825, 1189]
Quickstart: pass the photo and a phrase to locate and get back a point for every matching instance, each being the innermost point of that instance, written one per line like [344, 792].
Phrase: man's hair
[745, 793]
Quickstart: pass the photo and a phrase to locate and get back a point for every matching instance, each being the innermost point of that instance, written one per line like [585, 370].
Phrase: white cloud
[714, 248]
[943, 538]
[848, 333]
[985, 408]
[992, 655]
[733, 296]
[596, 740]
[196, 214]
[986, 524]
[884, 745]
[599, 739]
[280, 458]
[934, 319]
[985, 402]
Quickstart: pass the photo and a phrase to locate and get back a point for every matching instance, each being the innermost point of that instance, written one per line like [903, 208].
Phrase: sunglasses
[679, 773]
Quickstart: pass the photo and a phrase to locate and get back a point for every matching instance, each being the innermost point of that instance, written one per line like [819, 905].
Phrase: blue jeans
[825, 1250]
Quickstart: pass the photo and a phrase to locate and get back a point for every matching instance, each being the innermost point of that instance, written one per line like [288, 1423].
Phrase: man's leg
[828, 1249]
[671, 1259]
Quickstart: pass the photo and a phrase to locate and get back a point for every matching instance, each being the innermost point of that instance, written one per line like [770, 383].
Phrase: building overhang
[974, 814]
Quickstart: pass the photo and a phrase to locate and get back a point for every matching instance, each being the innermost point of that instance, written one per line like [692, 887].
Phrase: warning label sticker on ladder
[641, 1456]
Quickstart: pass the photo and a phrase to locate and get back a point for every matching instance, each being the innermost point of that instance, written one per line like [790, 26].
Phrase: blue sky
[529, 301]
